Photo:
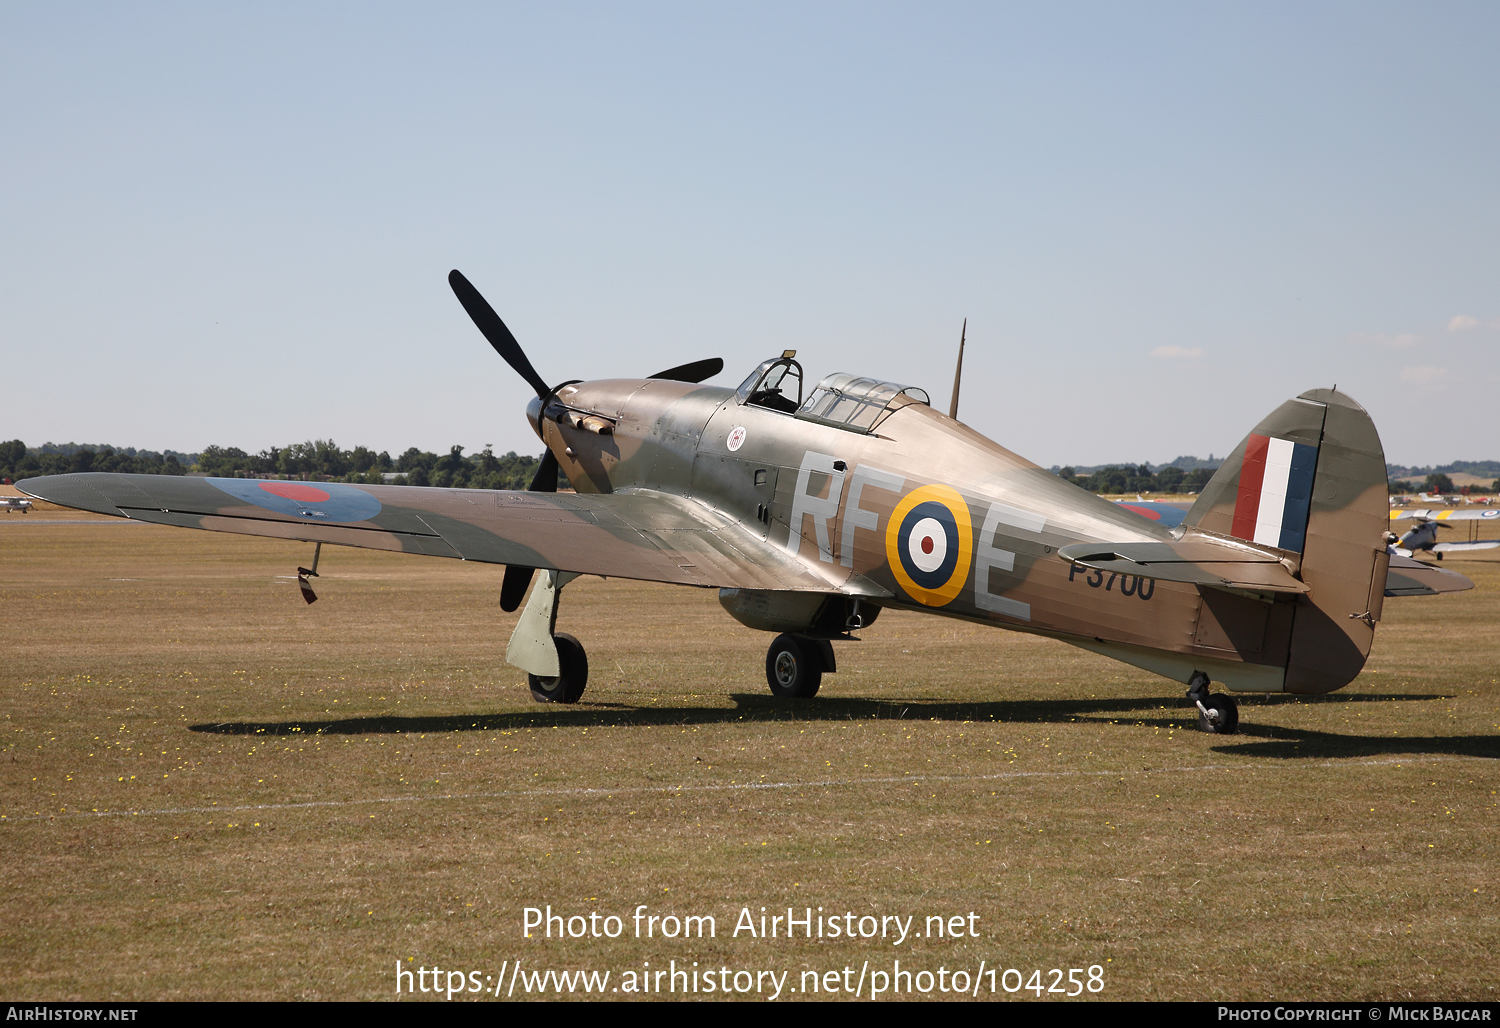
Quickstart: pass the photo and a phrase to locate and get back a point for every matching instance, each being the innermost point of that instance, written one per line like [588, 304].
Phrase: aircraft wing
[1166, 515]
[1445, 514]
[1408, 577]
[647, 535]
[1483, 544]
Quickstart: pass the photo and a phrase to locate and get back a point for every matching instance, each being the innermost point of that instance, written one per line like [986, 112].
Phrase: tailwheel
[794, 667]
[572, 677]
[1219, 714]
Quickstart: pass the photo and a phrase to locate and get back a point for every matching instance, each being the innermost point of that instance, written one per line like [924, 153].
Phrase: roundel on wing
[307, 501]
[929, 543]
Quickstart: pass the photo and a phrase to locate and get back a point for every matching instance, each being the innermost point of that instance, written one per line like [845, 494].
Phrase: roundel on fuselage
[929, 544]
[308, 501]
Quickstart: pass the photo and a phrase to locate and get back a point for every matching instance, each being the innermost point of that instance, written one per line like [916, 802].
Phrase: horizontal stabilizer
[1201, 561]
[1408, 577]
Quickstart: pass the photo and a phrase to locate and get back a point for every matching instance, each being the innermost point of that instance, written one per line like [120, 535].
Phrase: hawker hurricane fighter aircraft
[811, 510]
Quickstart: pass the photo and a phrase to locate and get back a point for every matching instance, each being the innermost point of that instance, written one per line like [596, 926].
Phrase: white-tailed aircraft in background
[13, 503]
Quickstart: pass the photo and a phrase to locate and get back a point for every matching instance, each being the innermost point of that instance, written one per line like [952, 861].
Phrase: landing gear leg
[557, 667]
[303, 574]
[1217, 713]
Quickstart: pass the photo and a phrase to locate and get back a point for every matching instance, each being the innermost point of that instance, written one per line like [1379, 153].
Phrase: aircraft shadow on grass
[1281, 742]
[753, 707]
[1299, 742]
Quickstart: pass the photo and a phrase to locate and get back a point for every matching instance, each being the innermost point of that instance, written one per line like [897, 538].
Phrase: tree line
[320, 460]
[1437, 482]
[1170, 479]
[18, 461]
[1126, 478]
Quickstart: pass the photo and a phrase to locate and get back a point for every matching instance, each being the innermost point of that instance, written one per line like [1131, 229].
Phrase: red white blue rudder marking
[1275, 495]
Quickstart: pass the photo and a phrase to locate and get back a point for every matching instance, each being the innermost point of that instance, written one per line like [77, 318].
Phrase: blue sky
[232, 224]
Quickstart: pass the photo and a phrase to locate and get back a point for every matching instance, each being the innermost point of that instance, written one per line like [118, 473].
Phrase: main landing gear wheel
[573, 675]
[1219, 715]
[794, 668]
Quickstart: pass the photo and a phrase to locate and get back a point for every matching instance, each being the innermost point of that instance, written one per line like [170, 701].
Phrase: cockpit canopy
[861, 404]
[841, 400]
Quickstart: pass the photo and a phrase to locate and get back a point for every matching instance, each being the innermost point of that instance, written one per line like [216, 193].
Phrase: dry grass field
[209, 790]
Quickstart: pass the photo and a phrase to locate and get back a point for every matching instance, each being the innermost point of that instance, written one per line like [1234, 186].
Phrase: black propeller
[697, 371]
[517, 578]
[494, 330]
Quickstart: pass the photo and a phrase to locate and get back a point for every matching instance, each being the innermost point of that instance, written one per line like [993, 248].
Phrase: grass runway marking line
[734, 786]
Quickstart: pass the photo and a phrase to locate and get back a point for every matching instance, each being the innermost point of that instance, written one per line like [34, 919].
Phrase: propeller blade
[517, 578]
[513, 587]
[697, 371]
[545, 479]
[493, 329]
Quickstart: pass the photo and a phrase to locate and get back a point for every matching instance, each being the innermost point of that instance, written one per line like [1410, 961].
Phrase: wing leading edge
[1445, 514]
[645, 535]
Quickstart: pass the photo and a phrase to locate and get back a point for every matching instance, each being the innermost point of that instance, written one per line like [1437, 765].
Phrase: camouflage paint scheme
[802, 523]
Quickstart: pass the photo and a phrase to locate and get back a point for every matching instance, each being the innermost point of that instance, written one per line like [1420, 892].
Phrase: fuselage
[1422, 537]
[921, 513]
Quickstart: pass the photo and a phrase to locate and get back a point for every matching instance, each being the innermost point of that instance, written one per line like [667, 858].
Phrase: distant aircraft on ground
[811, 512]
[14, 503]
[1424, 535]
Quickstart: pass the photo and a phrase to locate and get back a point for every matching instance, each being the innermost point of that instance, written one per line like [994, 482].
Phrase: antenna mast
[958, 372]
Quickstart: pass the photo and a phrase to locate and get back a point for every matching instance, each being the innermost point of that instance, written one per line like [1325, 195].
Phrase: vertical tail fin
[1310, 481]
